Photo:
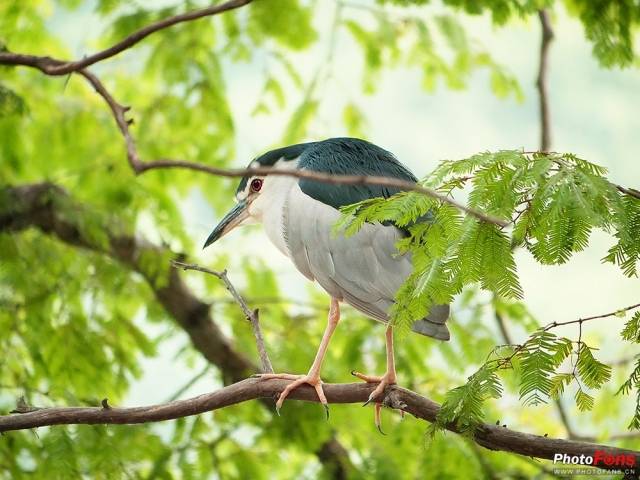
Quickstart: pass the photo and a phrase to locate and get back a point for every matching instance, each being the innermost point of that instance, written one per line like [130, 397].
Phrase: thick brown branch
[541, 83]
[251, 315]
[52, 66]
[493, 437]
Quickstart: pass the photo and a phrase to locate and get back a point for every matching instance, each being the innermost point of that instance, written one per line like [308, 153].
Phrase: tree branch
[251, 315]
[324, 178]
[45, 206]
[551, 325]
[493, 437]
[54, 67]
[138, 166]
[541, 83]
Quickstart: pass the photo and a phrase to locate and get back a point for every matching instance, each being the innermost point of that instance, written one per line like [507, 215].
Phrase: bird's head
[254, 192]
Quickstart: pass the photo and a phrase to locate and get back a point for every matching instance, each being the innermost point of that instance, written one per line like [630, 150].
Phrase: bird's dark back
[350, 156]
[340, 156]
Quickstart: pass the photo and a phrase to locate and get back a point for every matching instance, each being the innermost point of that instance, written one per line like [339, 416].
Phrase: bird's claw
[385, 380]
[297, 380]
[377, 419]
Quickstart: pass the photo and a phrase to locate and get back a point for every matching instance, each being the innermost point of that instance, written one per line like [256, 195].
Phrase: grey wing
[364, 270]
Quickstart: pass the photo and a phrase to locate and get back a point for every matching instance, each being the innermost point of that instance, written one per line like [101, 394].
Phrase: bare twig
[139, 166]
[624, 361]
[493, 437]
[564, 418]
[632, 192]
[541, 83]
[252, 315]
[517, 348]
[595, 317]
[54, 67]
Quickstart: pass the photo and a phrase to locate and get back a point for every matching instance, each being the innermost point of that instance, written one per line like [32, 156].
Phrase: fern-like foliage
[627, 231]
[539, 358]
[462, 406]
[552, 203]
[631, 333]
[631, 330]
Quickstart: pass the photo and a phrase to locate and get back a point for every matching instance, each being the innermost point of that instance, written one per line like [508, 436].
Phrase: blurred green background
[426, 80]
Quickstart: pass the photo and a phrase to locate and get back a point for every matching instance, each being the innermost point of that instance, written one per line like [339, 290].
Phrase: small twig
[519, 347]
[564, 418]
[547, 37]
[623, 361]
[251, 315]
[23, 407]
[595, 317]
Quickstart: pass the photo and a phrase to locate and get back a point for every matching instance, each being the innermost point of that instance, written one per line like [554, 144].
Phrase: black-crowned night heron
[298, 214]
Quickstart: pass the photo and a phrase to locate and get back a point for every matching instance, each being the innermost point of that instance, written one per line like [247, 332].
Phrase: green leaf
[592, 372]
[584, 401]
[463, 405]
[631, 330]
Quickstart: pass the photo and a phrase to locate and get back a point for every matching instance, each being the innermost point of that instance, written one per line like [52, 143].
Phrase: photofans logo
[600, 462]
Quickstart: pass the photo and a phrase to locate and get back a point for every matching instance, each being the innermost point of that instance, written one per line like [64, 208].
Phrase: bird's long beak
[231, 220]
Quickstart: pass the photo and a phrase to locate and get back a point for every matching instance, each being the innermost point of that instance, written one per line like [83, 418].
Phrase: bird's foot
[313, 380]
[383, 381]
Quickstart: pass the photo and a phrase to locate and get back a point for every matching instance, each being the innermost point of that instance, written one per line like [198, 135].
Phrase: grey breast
[364, 270]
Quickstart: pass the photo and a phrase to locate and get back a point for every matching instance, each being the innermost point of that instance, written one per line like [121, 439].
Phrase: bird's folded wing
[365, 270]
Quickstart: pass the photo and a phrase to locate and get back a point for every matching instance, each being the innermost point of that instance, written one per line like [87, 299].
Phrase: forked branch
[252, 315]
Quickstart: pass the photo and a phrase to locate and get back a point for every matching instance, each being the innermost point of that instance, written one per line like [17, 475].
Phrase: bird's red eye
[256, 184]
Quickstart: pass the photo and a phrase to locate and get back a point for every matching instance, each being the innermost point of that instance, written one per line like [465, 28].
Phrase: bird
[364, 270]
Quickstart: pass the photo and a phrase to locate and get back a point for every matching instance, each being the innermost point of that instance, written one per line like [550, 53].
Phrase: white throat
[268, 207]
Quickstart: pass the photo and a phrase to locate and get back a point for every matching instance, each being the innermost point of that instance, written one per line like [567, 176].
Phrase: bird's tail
[434, 324]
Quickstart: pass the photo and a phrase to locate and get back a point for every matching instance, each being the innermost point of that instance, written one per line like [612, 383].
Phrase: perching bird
[298, 215]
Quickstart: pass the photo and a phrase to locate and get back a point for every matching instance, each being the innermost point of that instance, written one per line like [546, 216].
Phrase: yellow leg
[313, 377]
[389, 378]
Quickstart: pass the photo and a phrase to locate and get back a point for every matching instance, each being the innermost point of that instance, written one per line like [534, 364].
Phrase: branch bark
[493, 437]
[541, 83]
[55, 67]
